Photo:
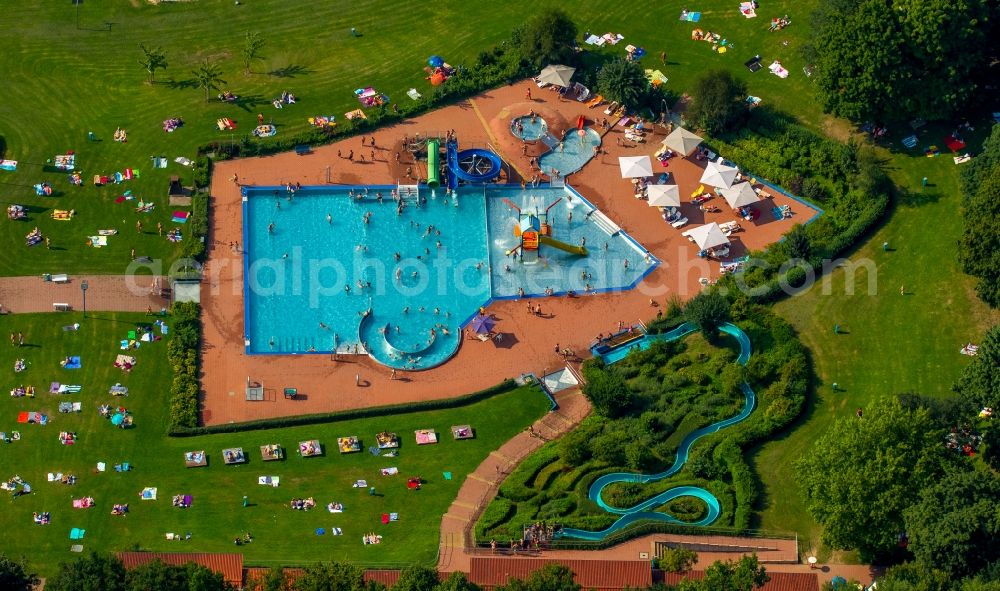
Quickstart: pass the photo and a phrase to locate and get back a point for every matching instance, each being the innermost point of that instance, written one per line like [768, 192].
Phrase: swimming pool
[529, 128]
[401, 285]
[574, 151]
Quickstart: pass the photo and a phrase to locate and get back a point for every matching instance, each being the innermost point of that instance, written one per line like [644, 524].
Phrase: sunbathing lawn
[76, 78]
[893, 343]
[283, 536]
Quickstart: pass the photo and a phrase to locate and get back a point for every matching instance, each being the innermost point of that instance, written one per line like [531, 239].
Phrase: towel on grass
[77, 533]
[691, 17]
[180, 217]
[98, 241]
[390, 471]
[268, 481]
[148, 494]
[74, 363]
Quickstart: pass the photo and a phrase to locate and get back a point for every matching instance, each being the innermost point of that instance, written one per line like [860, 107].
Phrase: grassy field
[76, 74]
[891, 343]
[283, 535]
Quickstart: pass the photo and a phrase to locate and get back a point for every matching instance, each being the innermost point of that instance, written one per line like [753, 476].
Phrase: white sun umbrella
[708, 236]
[719, 175]
[635, 166]
[556, 75]
[664, 195]
[682, 141]
[740, 195]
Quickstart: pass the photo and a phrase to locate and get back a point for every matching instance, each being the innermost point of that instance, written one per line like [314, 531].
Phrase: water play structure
[645, 510]
[534, 229]
[433, 170]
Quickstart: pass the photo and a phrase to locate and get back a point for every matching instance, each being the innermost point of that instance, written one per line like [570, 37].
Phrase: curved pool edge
[641, 511]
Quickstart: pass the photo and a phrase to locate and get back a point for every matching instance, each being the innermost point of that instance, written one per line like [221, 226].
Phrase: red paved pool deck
[530, 341]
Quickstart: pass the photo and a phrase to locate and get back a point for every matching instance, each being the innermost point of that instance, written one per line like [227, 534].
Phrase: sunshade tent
[682, 141]
[719, 175]
[435, 61]
[740, 195]
[708, 236]
[556, 75]
[635, 166]
[663, 196]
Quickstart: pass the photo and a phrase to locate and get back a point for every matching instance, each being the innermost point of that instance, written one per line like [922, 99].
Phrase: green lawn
[284, 536]
[893, 343]
[73, 79]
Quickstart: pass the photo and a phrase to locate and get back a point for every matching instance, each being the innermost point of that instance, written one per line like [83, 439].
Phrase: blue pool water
[645, 509]
[302, 291]
[530, 130]
[576, 151]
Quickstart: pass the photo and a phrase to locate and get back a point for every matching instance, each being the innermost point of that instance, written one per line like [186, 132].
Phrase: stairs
[408, 193]
[604, 222]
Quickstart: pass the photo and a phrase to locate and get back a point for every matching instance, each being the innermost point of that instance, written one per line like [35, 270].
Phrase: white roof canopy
[719, 175]
[740, 195]
[663, 195]
[708, 236]
[682, 141]
[635, 166]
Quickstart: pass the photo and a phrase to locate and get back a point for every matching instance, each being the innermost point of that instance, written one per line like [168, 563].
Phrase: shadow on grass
[289, 71]
[186, 84]
[250, 102]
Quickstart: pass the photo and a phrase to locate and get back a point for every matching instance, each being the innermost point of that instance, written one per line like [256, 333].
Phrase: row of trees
[979, 248]
[898, 59]
[886, 484]
[104, 572]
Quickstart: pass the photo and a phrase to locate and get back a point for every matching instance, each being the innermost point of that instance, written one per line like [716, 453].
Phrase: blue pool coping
[305, 190]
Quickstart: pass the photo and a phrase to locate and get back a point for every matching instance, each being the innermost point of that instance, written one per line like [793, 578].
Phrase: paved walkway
[105, 293]
[481, 486]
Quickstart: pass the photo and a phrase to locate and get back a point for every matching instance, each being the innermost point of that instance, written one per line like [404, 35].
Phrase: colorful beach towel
[691, 17]
[180, 217]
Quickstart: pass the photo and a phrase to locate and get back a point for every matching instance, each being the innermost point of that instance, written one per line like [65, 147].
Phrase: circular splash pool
[529, 128]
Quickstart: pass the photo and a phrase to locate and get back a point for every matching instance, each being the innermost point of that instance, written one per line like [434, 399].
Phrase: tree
[93, 572]
[718, 102]
[457, 581]
[979, 383]
[274, 579]
[208, 77]
[955, 527]
[607, 391]
[746, 574]
[708, 311]
[252, 44]
[678, 560]
[417, 578]
[622, 81]
[797, 242]
[979, 247]
[14, 575]
[901, 59]
[152, 59]
[331, 576]
[861, 474]
[549, 38]
[551, 577]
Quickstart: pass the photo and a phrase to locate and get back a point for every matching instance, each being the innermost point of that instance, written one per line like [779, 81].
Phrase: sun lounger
[611, 108]
[679, 223]
[595, 101]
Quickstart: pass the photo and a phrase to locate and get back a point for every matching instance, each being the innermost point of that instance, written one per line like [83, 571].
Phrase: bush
[718, 102]
[708, 311]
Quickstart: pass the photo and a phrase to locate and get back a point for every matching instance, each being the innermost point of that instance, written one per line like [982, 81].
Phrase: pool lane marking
[493, 140]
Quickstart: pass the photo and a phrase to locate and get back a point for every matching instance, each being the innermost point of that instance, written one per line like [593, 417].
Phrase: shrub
[182, 352]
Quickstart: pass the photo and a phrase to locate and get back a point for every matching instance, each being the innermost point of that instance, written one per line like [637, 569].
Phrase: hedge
[331, 417]
[182, 353]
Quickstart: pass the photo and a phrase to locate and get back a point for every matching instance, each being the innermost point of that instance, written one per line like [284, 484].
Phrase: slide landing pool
[644, 510]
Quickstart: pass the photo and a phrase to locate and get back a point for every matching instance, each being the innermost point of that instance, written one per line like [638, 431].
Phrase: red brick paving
[330, 385]
[121, 293]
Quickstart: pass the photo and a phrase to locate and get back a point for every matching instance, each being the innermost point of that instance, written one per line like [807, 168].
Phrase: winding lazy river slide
[644, 510]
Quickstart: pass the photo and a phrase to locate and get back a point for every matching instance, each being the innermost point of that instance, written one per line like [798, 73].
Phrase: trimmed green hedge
[178, 430]
[182, 352]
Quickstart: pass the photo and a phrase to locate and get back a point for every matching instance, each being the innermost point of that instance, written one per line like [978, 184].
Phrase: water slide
[473, 166]
[452, 178]
[562, 246]
[646, 510]
[433, 170]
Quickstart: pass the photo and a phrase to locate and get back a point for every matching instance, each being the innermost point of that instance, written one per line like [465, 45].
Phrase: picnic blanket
[73, 363]
[9, 165]
[70, 407]
[268, 481]
[356, 114]
[180, 217]
[97, 241]
[148, 493]
[691, 17]
[413, 94]
[77, 533]
[183, 161]
[57, 388]
[910, 141]
[32, 417]
[360, 484]
[955, 144]
[392, 471]
[778, 70]
[747, 9]
[159, 161]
